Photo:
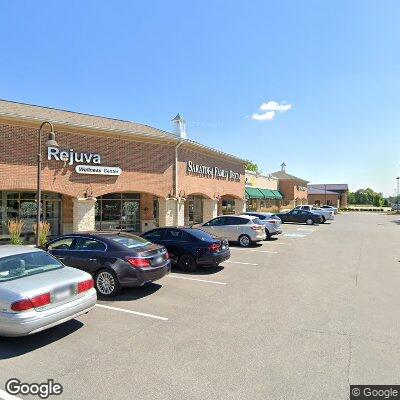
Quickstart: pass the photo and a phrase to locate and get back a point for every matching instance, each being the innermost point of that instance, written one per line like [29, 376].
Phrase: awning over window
[277, 194]
[253, 193]
[268, 194]
[262, 194]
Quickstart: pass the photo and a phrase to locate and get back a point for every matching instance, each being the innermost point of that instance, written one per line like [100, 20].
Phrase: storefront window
[156, 211]
[228, 207]
[195, 209]
[251, 205]
[119, 211]
[22, 205]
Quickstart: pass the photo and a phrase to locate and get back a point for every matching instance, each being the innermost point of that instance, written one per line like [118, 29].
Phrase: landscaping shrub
[15, 227]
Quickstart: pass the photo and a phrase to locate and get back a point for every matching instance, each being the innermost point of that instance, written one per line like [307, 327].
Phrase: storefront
[110, 174]
[293, 189]
[262, 192]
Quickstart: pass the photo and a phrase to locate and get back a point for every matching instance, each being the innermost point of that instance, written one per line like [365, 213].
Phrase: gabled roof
[285, 176]
[312, 190]
[330, 186]
[39, 113]
[33, 113]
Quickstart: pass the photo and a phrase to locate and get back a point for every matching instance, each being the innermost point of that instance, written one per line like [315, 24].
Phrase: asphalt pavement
[298, 317]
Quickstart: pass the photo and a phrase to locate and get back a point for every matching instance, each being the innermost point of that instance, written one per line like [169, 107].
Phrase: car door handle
[61, 258]
[92, 259]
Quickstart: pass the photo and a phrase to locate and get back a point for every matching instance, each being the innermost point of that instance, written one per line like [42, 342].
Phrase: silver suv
[272, 223]
[243, 229]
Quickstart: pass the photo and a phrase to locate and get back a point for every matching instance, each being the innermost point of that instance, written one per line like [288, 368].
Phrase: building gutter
[176, 170]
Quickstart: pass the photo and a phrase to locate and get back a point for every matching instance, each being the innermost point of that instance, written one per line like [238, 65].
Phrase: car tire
[187, 263]
[244, 241]
[323, 220]
[309, 221]
[268, 234]
[106, 283]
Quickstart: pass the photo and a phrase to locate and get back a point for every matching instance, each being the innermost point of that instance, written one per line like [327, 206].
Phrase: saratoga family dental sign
[213, 172]
[71, 157]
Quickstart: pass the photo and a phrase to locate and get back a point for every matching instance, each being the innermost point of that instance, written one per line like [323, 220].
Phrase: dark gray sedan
[38, 292]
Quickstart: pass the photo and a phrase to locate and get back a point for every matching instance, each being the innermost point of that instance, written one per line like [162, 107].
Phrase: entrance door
[195, 210]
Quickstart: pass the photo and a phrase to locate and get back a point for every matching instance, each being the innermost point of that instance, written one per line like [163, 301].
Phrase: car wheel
[309, 221]
[187, 263]
[268, 234]
[106, 283]
[244, 241]
[323, 220]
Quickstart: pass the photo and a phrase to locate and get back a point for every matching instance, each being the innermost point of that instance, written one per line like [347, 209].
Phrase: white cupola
[179, 127]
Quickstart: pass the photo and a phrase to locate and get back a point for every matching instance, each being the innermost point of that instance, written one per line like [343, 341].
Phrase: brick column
[172, 212]
[84, 212]
[240, 206]
[210, 209]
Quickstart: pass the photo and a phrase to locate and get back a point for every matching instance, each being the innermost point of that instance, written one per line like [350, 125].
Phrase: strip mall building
[111, 174]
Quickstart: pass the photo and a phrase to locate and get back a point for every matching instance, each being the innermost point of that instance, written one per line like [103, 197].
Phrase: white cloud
[274, 106]
[265, 116]
[270, 109]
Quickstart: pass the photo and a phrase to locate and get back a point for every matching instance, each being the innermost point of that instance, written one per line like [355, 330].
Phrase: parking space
[274, 321]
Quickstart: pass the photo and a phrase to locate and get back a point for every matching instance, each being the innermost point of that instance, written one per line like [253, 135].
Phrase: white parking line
[6, 396]
[237, 262]
[294, 235]
[306, 229]
[195, 279]
[132, 312]
[256, 251]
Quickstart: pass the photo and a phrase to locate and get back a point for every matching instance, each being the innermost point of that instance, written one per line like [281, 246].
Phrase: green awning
[253, 193]
[268, 194]
[277, 194]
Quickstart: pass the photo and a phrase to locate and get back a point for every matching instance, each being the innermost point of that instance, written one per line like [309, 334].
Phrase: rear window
[199, 234]
[21, 265]
[237, 221]
[257, 221]
[130, 242]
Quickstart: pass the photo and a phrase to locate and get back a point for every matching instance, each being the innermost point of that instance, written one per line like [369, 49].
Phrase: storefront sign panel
[212, 172]
[97, 170]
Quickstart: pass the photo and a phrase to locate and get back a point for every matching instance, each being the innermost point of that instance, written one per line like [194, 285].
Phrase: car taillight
[139, 262]
[272, 221]
[167, 256]
[35, 302]
[214, 247]
[257, 227]
[85, 285]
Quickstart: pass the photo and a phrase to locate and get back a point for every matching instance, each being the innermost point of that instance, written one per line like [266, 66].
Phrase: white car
[272, 223]
[330, 208]
[38, 292]
[243, 229]
[325, 214]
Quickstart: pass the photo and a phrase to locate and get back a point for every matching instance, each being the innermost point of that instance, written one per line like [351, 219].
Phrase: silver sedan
[38, 292]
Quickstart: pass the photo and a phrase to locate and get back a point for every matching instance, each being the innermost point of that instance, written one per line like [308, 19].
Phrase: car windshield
[130, 242]
[199, 234]
[20, 265]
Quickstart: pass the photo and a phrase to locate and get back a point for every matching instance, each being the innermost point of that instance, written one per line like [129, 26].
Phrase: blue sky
[336, 63]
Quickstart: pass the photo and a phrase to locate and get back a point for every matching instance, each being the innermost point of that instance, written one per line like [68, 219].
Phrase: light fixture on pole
[397, 199]
[51, 141]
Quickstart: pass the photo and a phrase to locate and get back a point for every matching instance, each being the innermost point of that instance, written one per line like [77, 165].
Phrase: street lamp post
[51, 141]
[398, 195]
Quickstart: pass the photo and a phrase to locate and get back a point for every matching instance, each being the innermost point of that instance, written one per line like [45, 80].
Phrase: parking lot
[298, 317]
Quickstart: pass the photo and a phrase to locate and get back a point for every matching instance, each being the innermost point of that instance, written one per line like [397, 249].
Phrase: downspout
[176, 171]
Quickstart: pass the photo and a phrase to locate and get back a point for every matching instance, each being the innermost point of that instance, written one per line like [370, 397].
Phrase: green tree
[251, 166]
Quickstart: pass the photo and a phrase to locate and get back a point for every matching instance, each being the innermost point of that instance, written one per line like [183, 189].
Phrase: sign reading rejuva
[213, 172]
[71, 157]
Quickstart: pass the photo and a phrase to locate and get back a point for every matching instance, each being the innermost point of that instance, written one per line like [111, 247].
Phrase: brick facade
[147, 167]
